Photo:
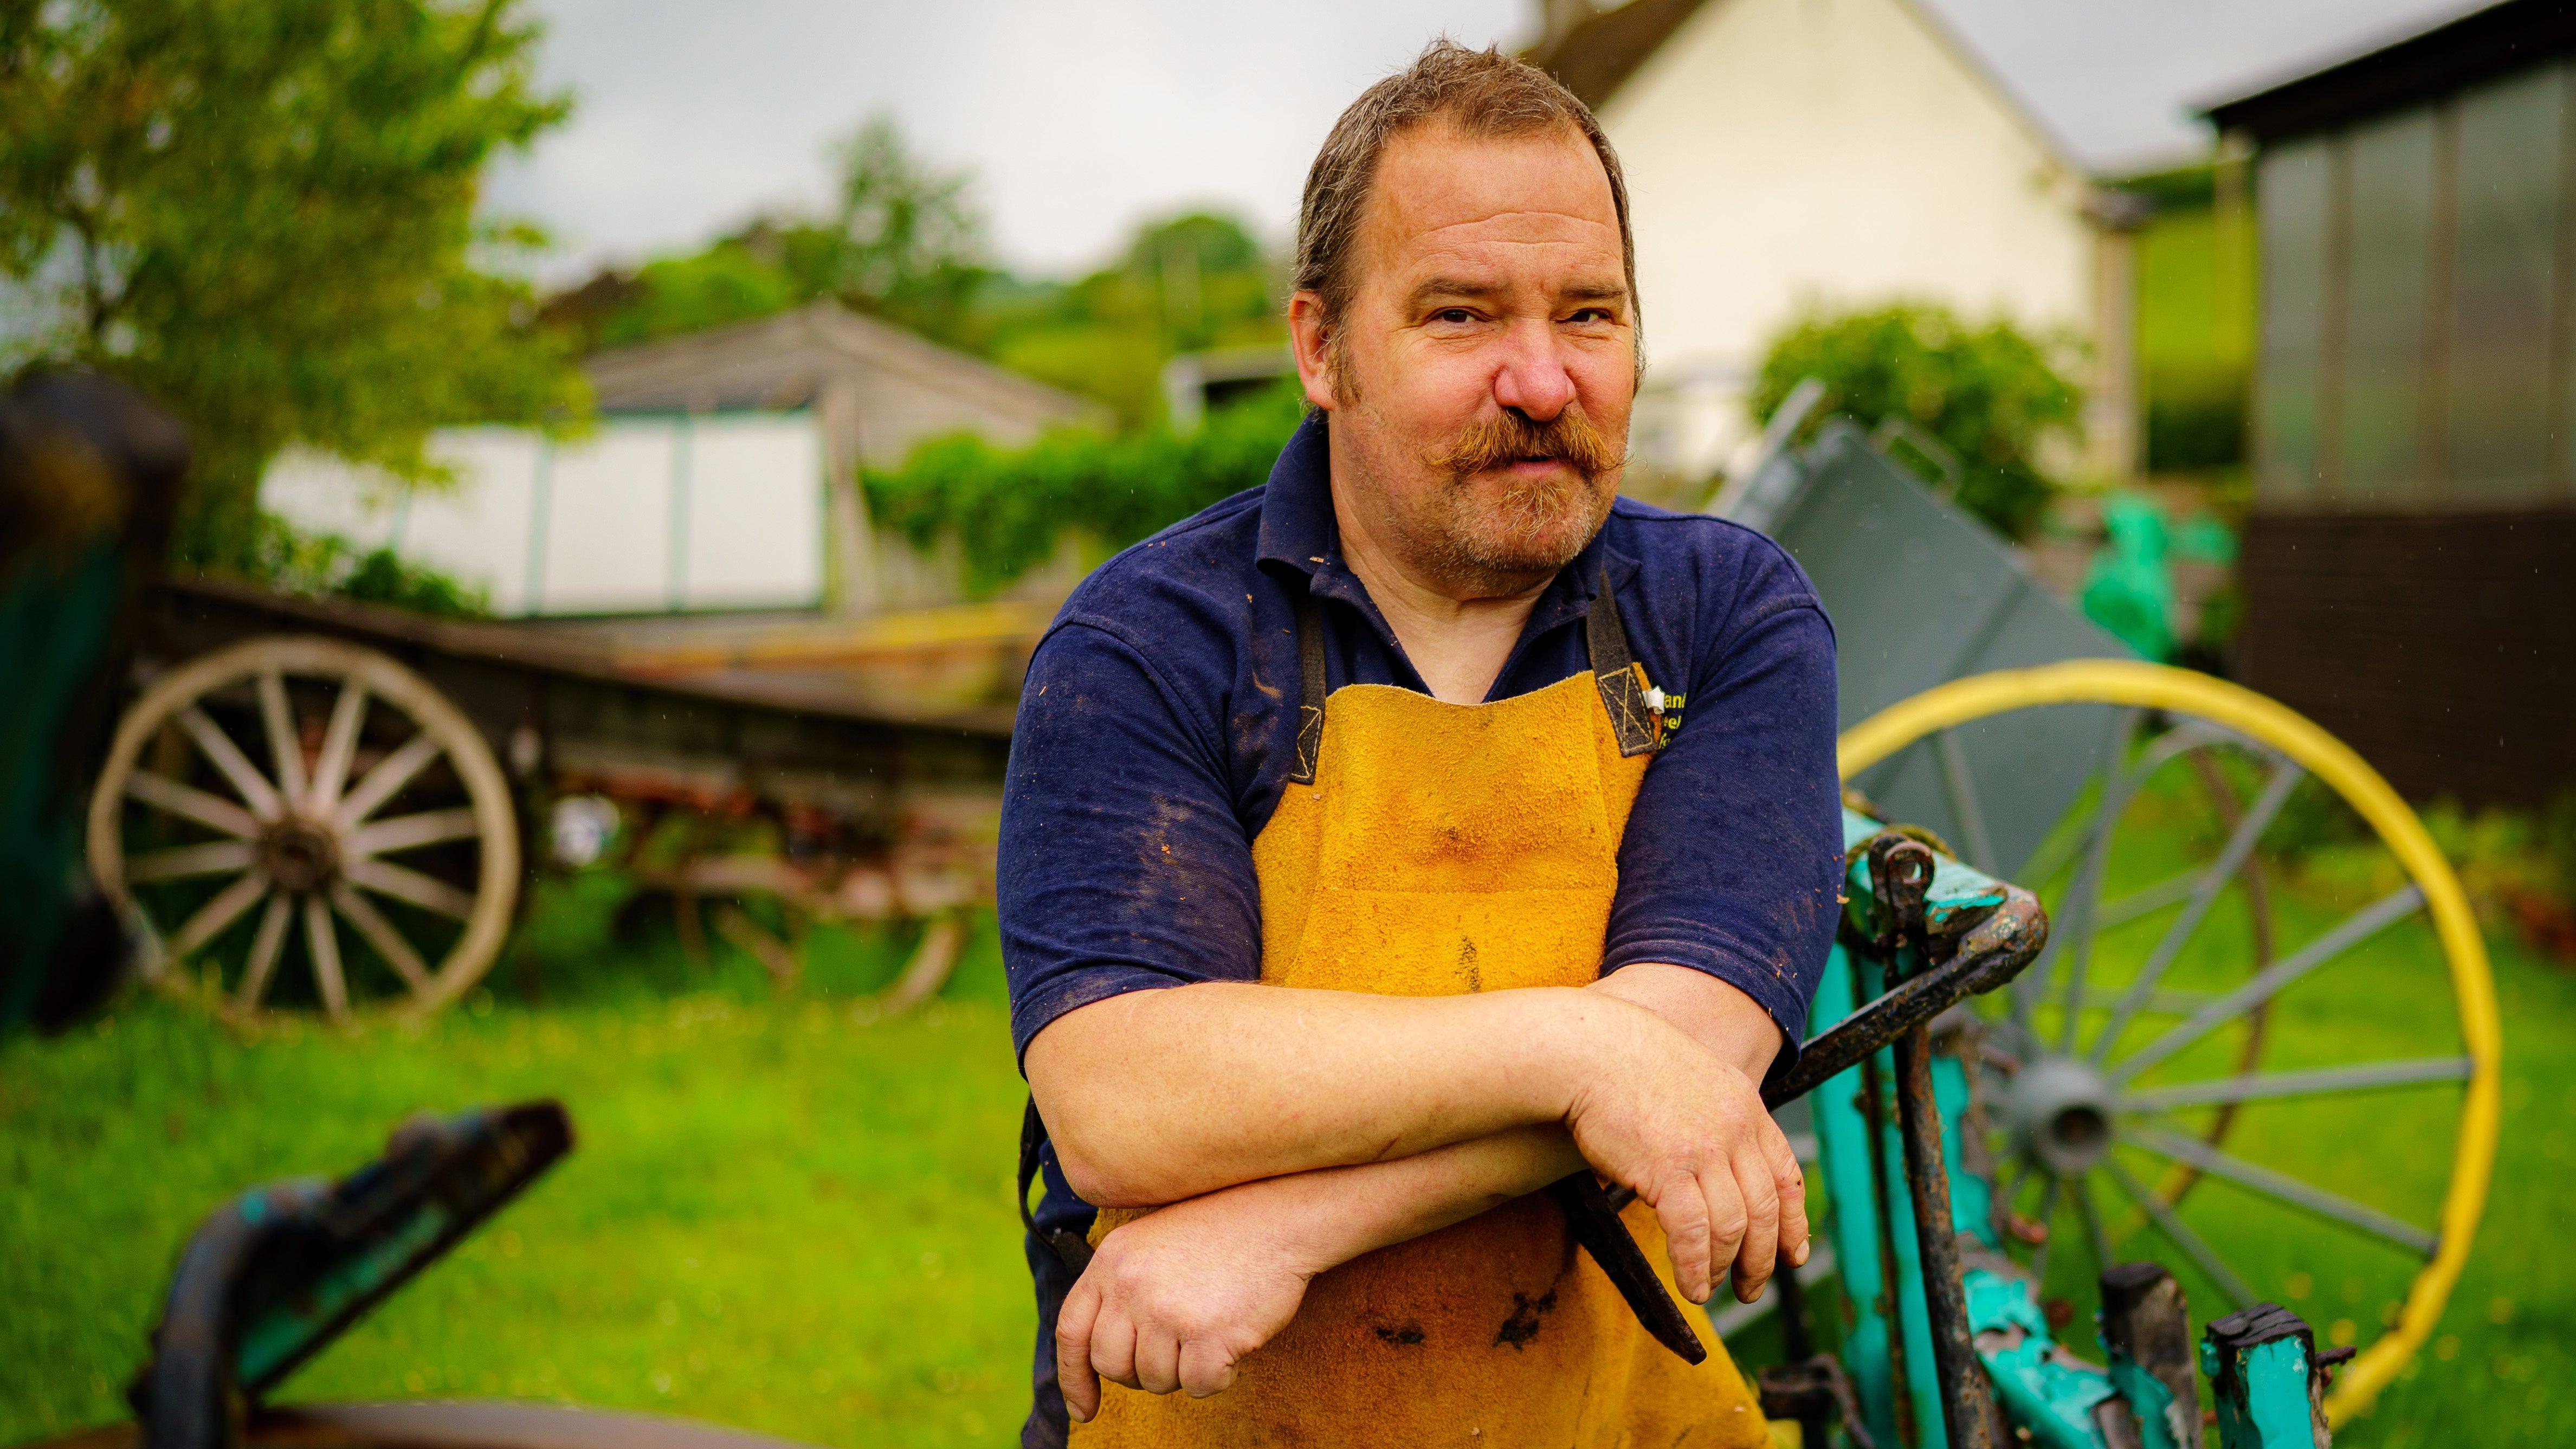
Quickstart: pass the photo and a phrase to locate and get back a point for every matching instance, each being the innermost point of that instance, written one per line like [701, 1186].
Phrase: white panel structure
[605, 512]
[479, 533]
[645, 515]
[751, 517]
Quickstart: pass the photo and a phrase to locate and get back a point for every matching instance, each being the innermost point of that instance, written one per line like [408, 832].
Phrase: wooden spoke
[285, 748]
[388, 879]
[227, 757]
[263, 954]
[212, 811]
[2361, 925]
[409, 832]
[2281, 1186]
[222, 911]
[328, 762]
[2231, 859]
[2154, 898]
[213, 858]
[381, 935]
[2267, 1086]
[2181, 1236]
[324, 948]
[390, 774]
[339, 743]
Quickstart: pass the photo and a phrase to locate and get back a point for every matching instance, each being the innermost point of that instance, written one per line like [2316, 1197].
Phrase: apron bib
[1429, 849]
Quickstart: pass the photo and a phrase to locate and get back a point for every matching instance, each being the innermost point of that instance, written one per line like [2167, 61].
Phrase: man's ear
[1311, 337]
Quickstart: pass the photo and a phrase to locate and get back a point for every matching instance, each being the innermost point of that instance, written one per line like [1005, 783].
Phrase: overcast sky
[1080, 118]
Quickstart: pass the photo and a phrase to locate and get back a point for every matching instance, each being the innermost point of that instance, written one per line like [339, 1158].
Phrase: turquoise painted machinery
[1965, 1352]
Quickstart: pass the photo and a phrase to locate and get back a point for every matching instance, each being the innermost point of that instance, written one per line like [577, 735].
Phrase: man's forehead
[1438, 190]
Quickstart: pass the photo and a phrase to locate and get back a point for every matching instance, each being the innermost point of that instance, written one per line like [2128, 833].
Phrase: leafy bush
[1991, 394]
[2195, 419]
[317, 565]
[1010, 509]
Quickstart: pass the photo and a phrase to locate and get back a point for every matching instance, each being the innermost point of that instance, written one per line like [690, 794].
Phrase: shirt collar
[1298, 530]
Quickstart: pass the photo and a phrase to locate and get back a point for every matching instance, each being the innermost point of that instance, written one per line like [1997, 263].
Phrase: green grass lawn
[788, 1218]
[777, 1215]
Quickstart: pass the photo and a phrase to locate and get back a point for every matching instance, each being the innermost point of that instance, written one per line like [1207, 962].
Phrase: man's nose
[1533, 378]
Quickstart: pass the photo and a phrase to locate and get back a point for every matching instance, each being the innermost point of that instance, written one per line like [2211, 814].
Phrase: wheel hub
[2059, 1111]
[301, 855]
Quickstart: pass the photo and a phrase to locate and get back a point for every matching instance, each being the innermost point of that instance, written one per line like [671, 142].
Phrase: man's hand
[1176, 1298]
[1687, 1130]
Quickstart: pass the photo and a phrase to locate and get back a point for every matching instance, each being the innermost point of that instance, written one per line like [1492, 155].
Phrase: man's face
[1481, 376]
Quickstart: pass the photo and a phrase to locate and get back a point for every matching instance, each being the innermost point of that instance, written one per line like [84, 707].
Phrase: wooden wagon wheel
[2353, 1087]
[364, 828]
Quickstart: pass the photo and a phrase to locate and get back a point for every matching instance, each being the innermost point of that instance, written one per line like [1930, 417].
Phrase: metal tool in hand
[1976, 932]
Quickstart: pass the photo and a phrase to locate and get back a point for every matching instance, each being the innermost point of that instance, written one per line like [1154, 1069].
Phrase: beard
[1496, 531]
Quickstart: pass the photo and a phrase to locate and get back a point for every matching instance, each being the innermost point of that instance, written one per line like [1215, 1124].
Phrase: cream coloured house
[1787, 154]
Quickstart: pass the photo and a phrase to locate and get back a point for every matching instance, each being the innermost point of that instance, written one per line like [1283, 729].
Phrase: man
[1361, 874]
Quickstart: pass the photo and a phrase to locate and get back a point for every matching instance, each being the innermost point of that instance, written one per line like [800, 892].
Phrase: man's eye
[1594, 316]
[1456, 316]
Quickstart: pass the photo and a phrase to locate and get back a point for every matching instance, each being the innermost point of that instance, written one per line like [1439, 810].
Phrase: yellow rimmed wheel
[2264, 1031]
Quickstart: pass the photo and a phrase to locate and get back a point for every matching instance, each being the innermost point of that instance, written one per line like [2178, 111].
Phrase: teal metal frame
[2262, 1362]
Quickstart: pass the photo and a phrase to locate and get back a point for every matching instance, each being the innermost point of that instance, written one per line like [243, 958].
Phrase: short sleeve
[1122, 863]
[1732, 863]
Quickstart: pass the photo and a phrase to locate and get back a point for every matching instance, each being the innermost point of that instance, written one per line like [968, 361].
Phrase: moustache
[1511, 436]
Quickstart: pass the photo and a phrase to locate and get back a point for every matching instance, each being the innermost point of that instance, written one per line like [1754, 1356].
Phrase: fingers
[1113, 1346]
[1206, 1368]
[1158, 1362]
[1759, 1248]
[1728, 1218]
[1682, 1207]
[1073, 1371]
[1791, 1181]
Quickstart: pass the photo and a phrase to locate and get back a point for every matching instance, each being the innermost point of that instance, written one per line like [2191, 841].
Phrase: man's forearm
[1329, 1216]
[1157, 1096]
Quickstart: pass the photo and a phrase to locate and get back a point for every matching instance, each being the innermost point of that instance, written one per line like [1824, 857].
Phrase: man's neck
[1457, 637]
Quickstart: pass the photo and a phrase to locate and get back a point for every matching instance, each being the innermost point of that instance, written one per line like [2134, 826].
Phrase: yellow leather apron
[1429, 849]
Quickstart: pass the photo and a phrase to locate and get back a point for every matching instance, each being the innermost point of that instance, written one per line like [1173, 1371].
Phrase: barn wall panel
[2440, 646]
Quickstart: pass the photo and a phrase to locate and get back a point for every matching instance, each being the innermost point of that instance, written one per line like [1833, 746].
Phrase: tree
[262, 212]
[904, 240]
[1990, 394]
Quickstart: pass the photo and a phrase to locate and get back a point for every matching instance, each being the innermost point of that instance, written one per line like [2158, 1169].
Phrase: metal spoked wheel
[2263, 989]
[297, 801]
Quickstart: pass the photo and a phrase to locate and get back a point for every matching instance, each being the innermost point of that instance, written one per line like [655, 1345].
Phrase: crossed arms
[1281, 1132]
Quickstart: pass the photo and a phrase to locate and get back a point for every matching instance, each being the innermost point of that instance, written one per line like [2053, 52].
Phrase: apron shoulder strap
[1310, 689]
[1070, 1248]
[1623, 686]
[1639, 727]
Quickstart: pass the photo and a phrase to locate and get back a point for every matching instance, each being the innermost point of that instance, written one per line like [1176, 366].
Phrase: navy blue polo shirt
[1158, 725]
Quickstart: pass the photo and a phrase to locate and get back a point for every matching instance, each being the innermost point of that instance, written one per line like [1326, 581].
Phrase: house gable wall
[1786, 153]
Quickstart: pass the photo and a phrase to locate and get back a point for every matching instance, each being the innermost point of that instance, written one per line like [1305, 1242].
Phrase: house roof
[2472, 48]
[1598, 55]
[784, 360]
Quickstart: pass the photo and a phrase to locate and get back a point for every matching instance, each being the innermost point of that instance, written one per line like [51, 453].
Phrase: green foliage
[905, 245]
[726, 283]
[319, 564]
[1991, 394]
[902, 241]
[1009, 509]
[904, 238]
[2195, 337]
[1188, 284]
[262, 212]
